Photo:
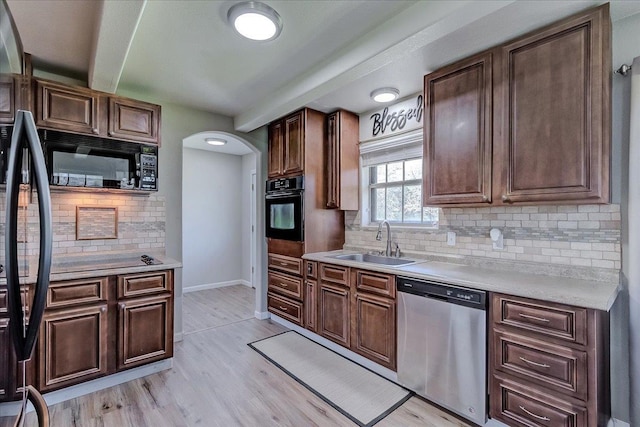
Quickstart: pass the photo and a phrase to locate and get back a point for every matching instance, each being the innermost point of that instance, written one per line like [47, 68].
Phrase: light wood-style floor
[217, 380]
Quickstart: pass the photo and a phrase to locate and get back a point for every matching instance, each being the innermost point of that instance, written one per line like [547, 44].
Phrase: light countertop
[598, 295]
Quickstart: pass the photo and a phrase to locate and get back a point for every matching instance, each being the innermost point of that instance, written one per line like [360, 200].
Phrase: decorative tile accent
[96, 222]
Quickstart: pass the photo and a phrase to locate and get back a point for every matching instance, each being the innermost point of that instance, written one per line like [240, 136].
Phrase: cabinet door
[145, 330]
[7, 99]
[276, 147]
[342, 161]
[333, 313]
[72, 347]
[294, 143]
[554, 104]
[374, 329]
[6, 362]
[311, 305]
[67, 108]
[333, 161]
[135, 120]
[457, 133]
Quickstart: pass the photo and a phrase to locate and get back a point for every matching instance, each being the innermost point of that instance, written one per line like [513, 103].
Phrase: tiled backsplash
[141, 224]
[567, 235]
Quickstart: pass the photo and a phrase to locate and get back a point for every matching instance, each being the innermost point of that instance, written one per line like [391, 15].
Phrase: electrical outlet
[451, 238]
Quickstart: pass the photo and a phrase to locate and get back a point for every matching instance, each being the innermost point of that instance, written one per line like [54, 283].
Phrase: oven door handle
[283, 194]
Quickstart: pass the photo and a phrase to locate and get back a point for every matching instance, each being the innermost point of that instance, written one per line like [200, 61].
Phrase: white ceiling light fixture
[215, 141]
[255, 21]
[385, 94]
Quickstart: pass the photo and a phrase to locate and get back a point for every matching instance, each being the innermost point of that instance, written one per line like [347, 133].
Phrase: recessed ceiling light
[215, 141]
[255, 21]
[385, 94]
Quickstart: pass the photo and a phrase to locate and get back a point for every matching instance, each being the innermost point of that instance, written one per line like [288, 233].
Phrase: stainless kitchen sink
[374, 259]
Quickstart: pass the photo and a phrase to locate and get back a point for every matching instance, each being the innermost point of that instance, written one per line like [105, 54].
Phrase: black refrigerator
[27, 184]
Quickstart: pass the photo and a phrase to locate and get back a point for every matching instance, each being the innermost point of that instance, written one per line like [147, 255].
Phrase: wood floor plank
[217, 380]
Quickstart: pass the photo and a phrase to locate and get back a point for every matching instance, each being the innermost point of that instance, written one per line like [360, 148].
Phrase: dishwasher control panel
[450, 293]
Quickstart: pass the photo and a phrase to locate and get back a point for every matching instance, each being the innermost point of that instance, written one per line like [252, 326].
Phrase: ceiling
[234, 145]
[330, 54]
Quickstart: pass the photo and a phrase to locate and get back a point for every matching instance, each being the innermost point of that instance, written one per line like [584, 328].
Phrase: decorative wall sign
[96, 222]
[398, 118]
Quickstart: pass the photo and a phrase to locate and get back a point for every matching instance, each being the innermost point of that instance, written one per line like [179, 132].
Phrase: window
[391, 168]
[395, 193]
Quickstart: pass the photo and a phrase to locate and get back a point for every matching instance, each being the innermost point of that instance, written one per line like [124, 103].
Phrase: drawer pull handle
[539, 319]
[283, 263]
[283, 285]
[534, 415]
[540, 365]
[282, 308]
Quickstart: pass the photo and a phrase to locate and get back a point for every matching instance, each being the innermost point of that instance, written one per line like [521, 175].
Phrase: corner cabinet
[548, 363]
[526, 122]
[457, 132]
[342, 160]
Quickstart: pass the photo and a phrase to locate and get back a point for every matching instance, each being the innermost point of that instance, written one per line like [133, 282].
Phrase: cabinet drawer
[376, 283]
[560, 368]
[286, 285]
[554, 320]
[144, 284]
[335, 274]
[285, 308]
[285, 263]
[4, 301]
[311, 269]
[517, 405]
[74, 292]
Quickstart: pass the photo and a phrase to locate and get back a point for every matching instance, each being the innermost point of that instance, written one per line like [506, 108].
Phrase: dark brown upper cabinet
[553, 112]
[526, 122]
[342, 160]
[457, 133]
[286, 146]
[67, 108]
[134, 120]
[7, 99]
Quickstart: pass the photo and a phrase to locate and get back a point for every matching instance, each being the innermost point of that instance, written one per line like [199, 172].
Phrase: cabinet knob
[122, 306]
[110, 133]
[506, 198]
[103, 309]
[485, 198]
[95, 131]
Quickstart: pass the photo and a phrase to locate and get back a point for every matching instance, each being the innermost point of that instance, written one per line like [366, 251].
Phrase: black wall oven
[284, 209]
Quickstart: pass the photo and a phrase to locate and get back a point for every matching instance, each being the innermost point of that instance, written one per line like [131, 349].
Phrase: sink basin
[373, 259]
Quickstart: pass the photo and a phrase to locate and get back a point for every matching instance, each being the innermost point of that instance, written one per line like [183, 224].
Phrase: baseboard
[215, 285]
[11, 409]
[178, 336]
[262, 315]
[378, 369]
[246, 283]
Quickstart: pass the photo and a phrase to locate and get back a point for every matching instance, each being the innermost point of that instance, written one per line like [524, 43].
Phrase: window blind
[392, 149]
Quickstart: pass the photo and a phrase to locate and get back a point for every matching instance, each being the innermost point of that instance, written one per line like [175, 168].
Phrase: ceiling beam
[115, 29]
[406, 33]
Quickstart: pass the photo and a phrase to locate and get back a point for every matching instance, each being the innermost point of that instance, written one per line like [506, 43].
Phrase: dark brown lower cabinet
[374, 329]
[145, 330]
[5, 358]
[73, 346]
[333, 315]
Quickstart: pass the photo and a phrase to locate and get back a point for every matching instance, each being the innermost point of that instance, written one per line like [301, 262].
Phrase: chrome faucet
[379, 236]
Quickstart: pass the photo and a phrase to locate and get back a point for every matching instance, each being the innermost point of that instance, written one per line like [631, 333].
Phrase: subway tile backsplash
[140, 228]
[574, 240]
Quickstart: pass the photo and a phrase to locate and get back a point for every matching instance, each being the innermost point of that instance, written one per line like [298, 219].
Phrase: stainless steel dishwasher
[442, 345]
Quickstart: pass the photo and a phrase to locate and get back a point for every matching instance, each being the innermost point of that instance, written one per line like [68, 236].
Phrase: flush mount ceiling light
[385, 94]
[215, 141]
[255, 21]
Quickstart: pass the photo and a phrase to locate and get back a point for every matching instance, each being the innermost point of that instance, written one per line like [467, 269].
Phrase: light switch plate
[451, 238]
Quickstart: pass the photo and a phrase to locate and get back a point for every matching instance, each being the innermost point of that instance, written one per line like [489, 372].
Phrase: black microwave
[84, 161]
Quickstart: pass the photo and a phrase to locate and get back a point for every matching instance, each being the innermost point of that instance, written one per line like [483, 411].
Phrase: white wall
[248, 166]
[212, 196]
[626, 46]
